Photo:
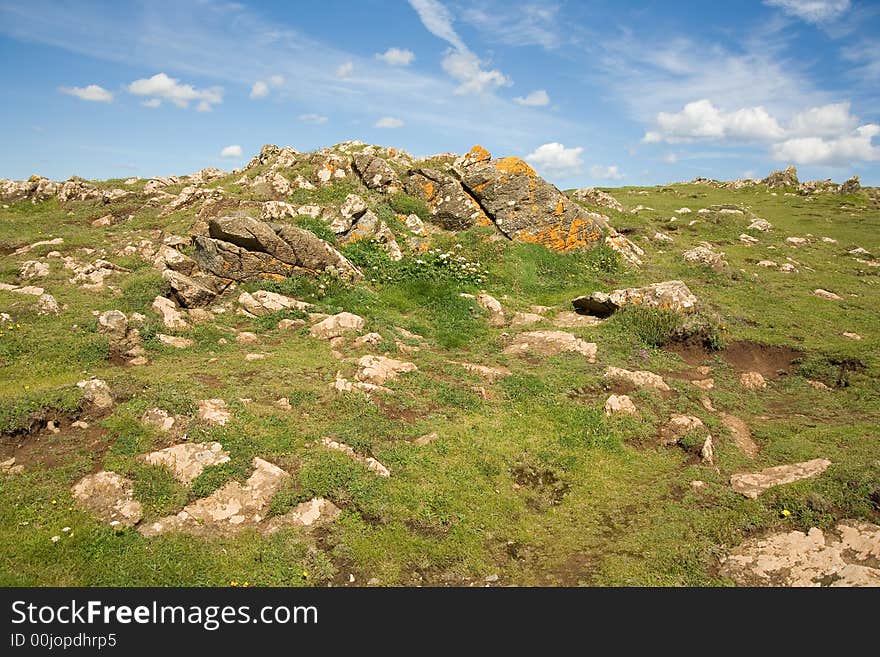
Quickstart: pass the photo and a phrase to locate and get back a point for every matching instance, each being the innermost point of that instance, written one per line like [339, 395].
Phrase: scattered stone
[253, 357]
[760, 225]
[229, 509]
[851, 335]
[525, 319]
[571, 319]
[767, 263]
[311, 513]
[679, 426]
[705, 255]
[818, 385]
[778, 179]
[9, 467]
[110, 497]
[797, 241]
[491, 374]
[33, 269]
[263, 302]
[336, 325]
[825, 294]
[96, 393]
[493, 307]
[175, 341]
[639, 378]
[214, 411]
[747, 239]
[704, 384]
[283, 403]
[377, 370]
[370, 339]
[247, 337]
[620, 404]
[593, 196]
[427, 439]
[847, 556]
[669, 295]
[172, 318]
[47, 305]
[551, 343]
[752, 380]
[291, 324]
[788, 268]
[187, 460]
[753, 484]
[371, 463]
[160, 419]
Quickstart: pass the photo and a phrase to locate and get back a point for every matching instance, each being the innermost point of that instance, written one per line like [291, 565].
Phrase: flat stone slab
[491, 374]
[110, 497]
[214, 411]
[637, 378]
[739, 430]
[371, 463]
[551, 343]
[311, 513]
[753, 484]
[848, 555]
[187, 460]
[379, 369]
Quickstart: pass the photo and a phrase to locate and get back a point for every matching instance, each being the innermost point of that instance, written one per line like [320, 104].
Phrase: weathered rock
[525, 319]
[571, 319]
[169, 258]
[336, 325]
[376, 173]
[380, 369]
[491, 374]
[669, 295]
[370, 339]
[525, 207]
[620, 404]
[705, 255]
[175, 341]
[263, 302]
[493, 307]
[760, 225]
[243, 248]
[160, 419]
[278, 210]
[679, 426]
[848, 555]
[797, 241]
[740, 433]
[96, 393]
[172, 318]
[187, 460]
[229, 509]
[638, 378]
[371, 463]
[33, 269]
[752, 380]
[593, 196]
[311, 513]
[787, 178]
[187, 291]
[850, 186]
[753, 484]
[551, 343]
[47, 305]
[450, 206]
[110, 497]
[825, 294]
[747, 239]
[214, 411]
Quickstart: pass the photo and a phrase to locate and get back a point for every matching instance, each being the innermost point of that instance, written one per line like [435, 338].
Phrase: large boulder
[526, 207]
[376, 173]
[449, 204]
[668, 295]
[593, 196]
[244, 248]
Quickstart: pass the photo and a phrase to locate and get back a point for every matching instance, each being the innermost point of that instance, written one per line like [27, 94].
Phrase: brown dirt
[744, 356]
[46, 449]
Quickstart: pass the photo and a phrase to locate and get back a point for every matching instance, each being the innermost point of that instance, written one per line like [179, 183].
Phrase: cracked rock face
[377, 370]
[526, 207]
[187, 460]
[336, 326]
[638, 378]
[848, 555]
[451, 207]
[668, 295]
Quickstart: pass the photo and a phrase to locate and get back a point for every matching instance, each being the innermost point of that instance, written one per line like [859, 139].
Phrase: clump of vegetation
[406, 205]
[317, 227]
[659, 328]
[435, 265]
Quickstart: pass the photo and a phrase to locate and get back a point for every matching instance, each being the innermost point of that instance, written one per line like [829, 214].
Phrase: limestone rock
[187, 291]
[175, 341]
[169, 258]
[311, 513]
[214, 411]
[493, 307]
[380, 369]
[760, 225]
[47, 305]
[638, 378]
[371, 463]
[187, 460]
[570, 319]
[96, 393]
[752, 380]
[669, 295]
[620, 404]
[450, 206]
[753, 484]
[110, 497]
[376, 173]
[825, 294]
[33, 269]
[336, 325]
[172, 318]
[677, 427]
[593, 196]
[491, 374]
[850, 186]
[848, 555]
[705, 255]
[551, 343]
[263, 302]
[777, 179]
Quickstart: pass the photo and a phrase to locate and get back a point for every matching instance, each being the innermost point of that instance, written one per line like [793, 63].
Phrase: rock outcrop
[668, 295]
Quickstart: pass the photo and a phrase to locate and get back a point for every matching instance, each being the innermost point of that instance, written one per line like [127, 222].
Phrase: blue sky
[605, 93]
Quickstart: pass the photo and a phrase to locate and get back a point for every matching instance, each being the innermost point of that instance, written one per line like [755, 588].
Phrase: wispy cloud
[345, 69]
[261, 88]
[611, 172]
[528, 24]
[538, 98]
[312, 119]
[92, 93]
[389, 122]
[812, 11]
[232, 151]
[459, 62]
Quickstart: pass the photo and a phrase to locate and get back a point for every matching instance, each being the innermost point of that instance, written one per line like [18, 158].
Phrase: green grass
[528, 479]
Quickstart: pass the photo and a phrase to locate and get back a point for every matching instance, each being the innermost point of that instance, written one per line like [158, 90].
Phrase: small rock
[620, 404]
[825, 294]
[752, 380]
[214, 411]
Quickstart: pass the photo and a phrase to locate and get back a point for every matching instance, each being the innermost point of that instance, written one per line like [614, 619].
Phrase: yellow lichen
[560, 208]
[558, 237]
[478, 154]
[514, 166]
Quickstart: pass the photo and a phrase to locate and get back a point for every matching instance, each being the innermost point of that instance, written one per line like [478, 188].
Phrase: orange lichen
[427, 189]
[514, 166]
[560, 208]
[558, 237]
[392, 152]
[478, 154]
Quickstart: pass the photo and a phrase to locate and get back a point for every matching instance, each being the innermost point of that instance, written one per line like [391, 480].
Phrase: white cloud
[92, 93]
[231, 151]
[538, 98]
[396, 56]
[259, 90]
[312, 119]
[670, 158]
[554, 159]
[438, 21]
[152, 102]
[388, 122]
[345, 70]
[163, 87]
[530, 24]
[459, 62]
[702, 120]
[606, 173]
[466, 68]
[812, 11]
[841, 151]
[826, 121]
